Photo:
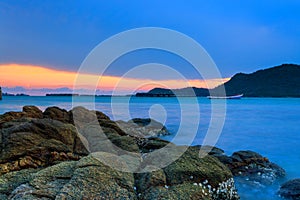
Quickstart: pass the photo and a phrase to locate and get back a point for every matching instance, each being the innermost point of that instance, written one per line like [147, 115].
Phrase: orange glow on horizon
[30, 76]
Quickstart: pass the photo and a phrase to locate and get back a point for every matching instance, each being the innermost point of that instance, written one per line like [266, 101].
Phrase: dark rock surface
[33, 143]
[251, 166]
[138, 127]
[58, 114]
[290, 189]
[28, 112]
[45, 156]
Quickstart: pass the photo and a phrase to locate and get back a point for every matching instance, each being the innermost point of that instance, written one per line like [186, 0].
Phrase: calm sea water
[269, 126]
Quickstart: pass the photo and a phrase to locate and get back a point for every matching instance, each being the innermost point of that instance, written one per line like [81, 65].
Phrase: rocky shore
[59, 154]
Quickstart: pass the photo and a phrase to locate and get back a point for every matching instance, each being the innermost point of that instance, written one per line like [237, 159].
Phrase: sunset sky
[34, 77]
[43, 43]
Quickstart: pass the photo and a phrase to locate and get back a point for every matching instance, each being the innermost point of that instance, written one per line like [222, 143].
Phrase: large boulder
[32, 111]
[33, 143]
[87, 178]
[189, 177]
[58, 114]
[290, 189]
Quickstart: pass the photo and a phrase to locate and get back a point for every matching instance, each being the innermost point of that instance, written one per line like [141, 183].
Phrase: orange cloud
[30, 76]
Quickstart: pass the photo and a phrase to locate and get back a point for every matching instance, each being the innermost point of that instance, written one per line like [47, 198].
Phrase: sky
[53, 35]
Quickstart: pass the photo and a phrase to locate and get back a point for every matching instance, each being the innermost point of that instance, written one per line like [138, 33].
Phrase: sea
[269, 126]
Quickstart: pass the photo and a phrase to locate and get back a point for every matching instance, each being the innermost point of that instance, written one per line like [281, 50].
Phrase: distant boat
[226, 97]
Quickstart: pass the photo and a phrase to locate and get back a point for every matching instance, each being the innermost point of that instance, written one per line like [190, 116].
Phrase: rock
[108, 137]
[87, 178]
[126, 143]
[101, 116]
[152, 144]
[183, 191]
[241, 156]
[58, 114]
[210, 150]
[145, 181]
[111, 128]
[48, 159]
[252, 166]
[81, 116]
[290, 189]
[33, 112]
[33, 143]
[96, 140]
[10, 181]
[181, 179]
[201, 169]
[28, 112]
[144, 128]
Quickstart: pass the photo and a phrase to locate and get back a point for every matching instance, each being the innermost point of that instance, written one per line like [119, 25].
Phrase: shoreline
[32, 116]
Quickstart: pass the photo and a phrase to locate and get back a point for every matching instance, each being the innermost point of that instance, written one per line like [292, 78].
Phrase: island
[279, 81]
[62, 94]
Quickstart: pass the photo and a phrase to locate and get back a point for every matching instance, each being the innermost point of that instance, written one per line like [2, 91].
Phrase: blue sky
[240, 36]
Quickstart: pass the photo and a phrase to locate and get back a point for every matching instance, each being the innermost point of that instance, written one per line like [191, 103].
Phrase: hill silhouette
[279, 81]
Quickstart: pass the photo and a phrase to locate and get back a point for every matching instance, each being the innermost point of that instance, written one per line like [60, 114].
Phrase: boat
[226, 97]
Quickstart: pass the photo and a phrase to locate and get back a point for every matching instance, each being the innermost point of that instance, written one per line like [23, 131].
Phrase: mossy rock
[9, 181]
[126, 143]
[191, 168]
[177, 192]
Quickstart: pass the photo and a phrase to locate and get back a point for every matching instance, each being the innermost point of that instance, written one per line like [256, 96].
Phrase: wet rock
[189, 177]
[201, 169]
[210, 150]
[290, 189]
[252, 166]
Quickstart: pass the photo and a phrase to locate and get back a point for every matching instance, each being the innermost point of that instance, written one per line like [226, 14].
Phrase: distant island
[62, 94]
[18, 94]
[75, 94]
[279, 81]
